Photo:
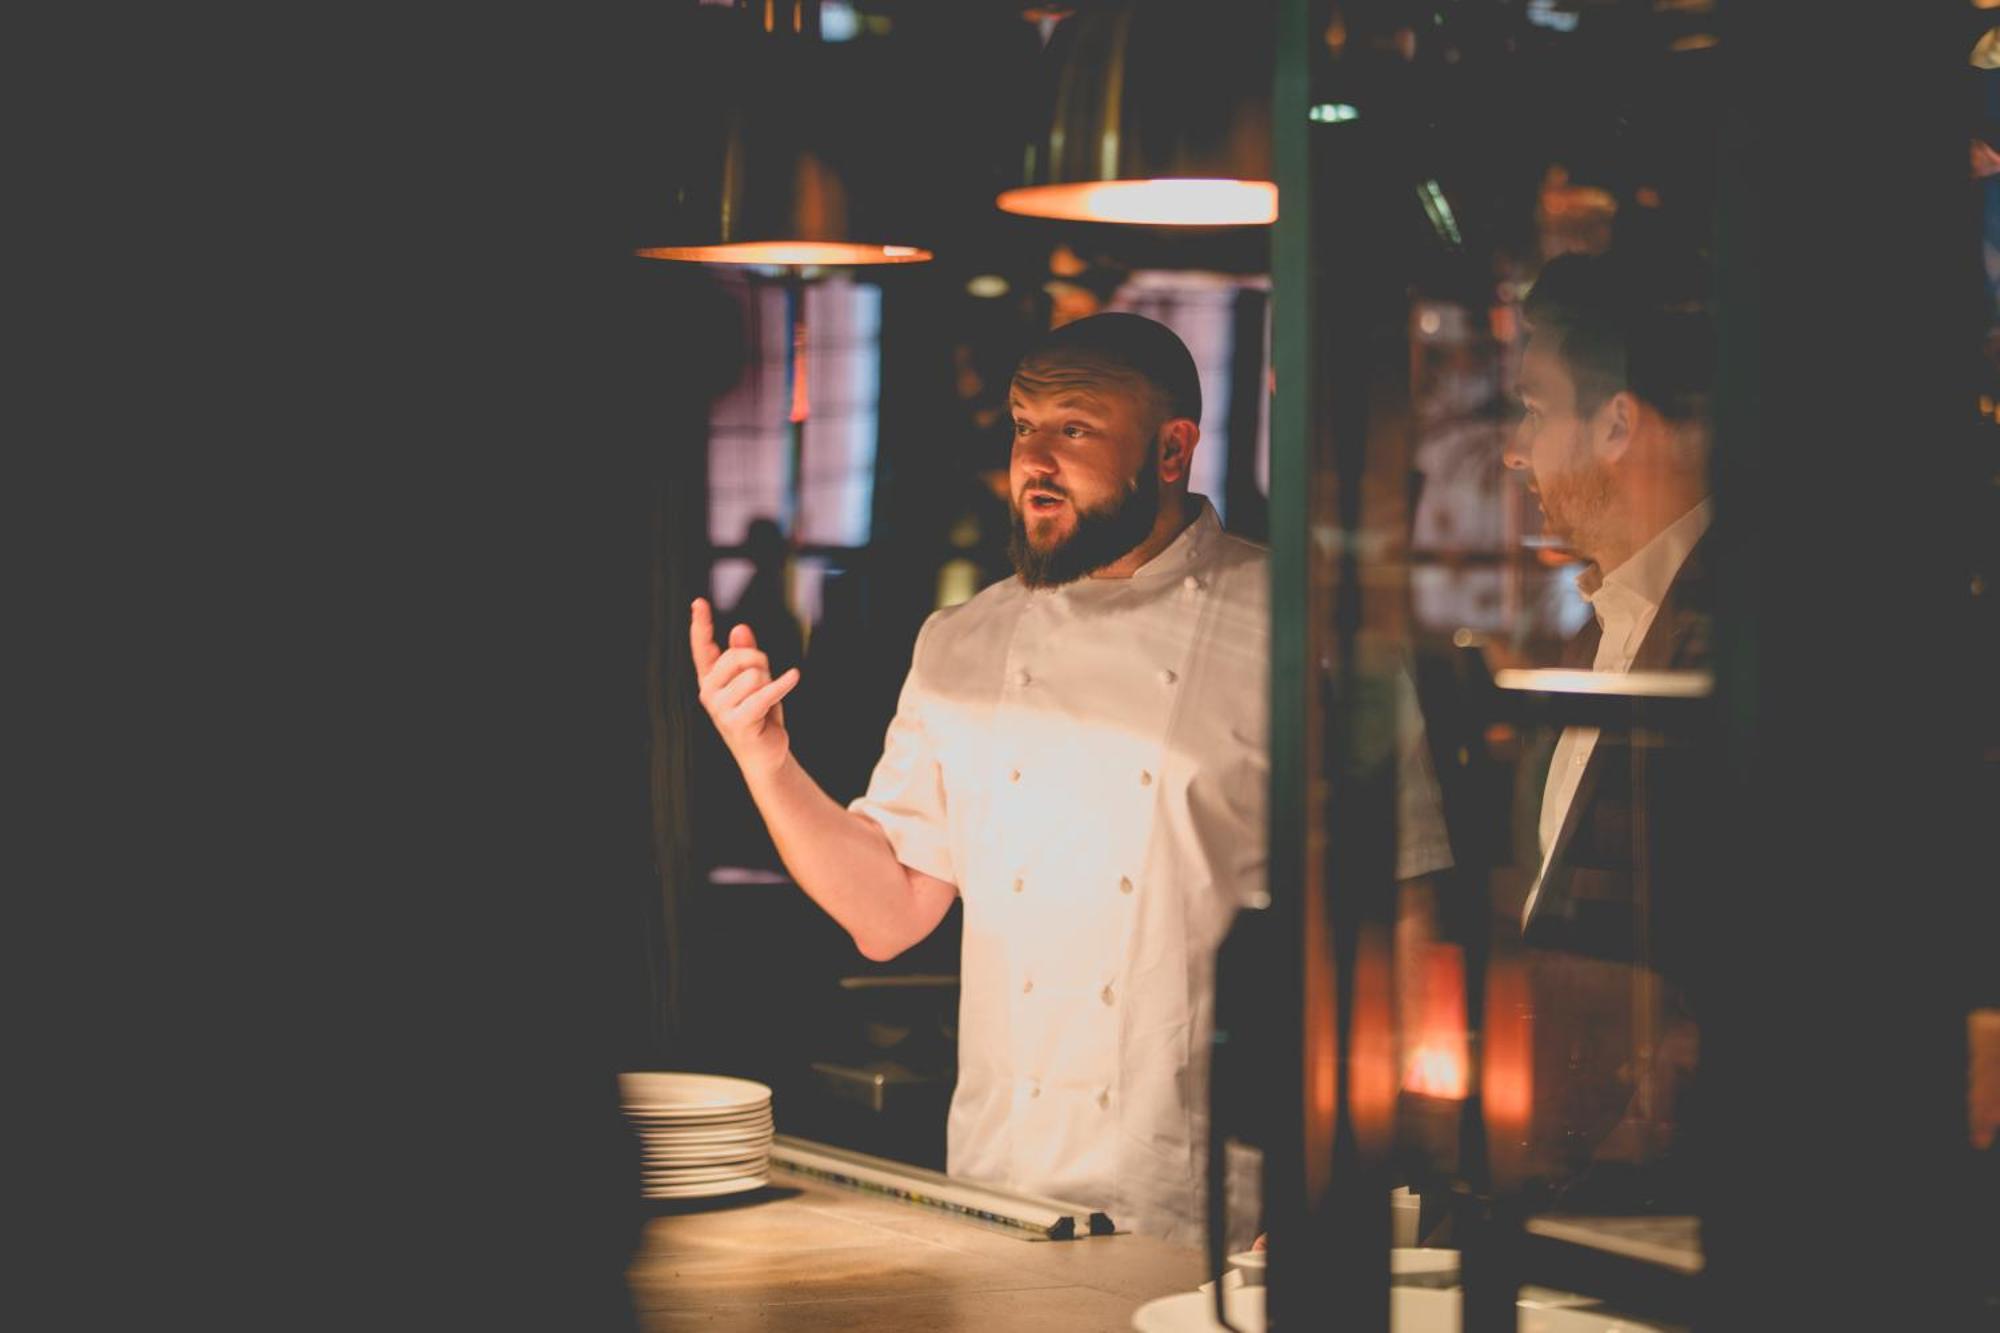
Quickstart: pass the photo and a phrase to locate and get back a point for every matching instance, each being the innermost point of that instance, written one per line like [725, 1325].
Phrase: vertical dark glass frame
[1814, 1133]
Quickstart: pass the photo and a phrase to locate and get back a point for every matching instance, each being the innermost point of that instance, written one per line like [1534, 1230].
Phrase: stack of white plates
[703, 1134]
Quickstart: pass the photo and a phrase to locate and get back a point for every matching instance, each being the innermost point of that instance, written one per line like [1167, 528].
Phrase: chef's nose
[1514, 452]
[1033, 455]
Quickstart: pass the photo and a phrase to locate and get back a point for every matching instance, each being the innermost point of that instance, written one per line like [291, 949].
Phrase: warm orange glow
[1506, 1071]
[1066, 263]
[1159, 203]
[1372, 1054]
[1436, 1064]
[1436, 1071]
[790, 253]
[1325, 1076]
[1322, 1047]
[801, 395]
[1577, 202]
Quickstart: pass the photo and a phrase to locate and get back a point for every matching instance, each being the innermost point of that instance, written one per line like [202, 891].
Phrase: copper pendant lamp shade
[766, 167]
[1161, 115]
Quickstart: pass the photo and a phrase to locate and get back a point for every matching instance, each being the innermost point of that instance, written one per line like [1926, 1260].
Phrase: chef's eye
[1075, 431]
[1022, 428]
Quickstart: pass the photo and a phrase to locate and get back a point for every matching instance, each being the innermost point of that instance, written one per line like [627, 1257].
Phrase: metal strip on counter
[1030, 1215]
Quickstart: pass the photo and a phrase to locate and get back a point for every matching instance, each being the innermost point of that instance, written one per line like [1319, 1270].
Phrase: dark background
[340, 471]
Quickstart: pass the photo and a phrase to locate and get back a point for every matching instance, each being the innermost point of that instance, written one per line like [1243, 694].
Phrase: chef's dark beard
[1102, 535]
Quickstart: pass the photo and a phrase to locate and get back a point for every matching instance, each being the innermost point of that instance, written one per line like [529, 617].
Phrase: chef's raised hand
[739, 695]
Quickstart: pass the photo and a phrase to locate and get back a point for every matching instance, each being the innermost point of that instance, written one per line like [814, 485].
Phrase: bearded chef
[1079, 753]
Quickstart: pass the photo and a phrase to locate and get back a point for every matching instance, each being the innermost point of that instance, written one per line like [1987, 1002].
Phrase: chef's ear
[1178, 437]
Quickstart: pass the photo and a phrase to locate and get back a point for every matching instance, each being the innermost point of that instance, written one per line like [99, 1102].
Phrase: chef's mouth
[1042, 502]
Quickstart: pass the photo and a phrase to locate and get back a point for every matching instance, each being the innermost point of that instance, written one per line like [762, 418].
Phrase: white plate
[1194, 1312]
[703, 1173]
[695, 1152]
[706, 1158]
[668, 1162]
[1411, 1310]
[705, 1140]
[654, 1125]
[1404, 1261]
[703, 1127]
[691, 1092]
[706, 1191]
[667, 1124]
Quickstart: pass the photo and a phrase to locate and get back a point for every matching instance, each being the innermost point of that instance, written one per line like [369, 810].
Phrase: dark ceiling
[932, 105]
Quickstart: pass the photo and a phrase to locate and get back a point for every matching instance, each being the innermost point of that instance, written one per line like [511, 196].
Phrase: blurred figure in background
[1614, 442]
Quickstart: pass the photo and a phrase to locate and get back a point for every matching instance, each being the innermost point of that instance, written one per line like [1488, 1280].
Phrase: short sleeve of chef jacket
[906, 793]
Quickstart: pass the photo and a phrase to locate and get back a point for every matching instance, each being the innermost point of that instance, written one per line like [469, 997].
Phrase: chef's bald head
[1116, 347]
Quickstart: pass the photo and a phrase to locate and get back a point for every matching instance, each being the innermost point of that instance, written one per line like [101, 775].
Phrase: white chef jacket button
[1145, 778]
[1034, 1089]
[1167, 677]
[1108, 996]
[1017, 883]
[1579, 761]
[1027, 985]
[1022, 677]
[1124, 884]
[1191, 583]
[1014, 776]
[1104, 1099]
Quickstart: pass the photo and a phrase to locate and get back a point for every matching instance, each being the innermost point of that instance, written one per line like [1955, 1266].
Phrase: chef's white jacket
[1088, 764]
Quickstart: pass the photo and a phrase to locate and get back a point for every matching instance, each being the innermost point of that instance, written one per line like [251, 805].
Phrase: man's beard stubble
[1579, 505]
[1101, 536]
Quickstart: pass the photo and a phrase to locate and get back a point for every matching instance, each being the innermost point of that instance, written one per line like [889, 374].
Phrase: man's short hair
[1615, 330]
[1129, 343]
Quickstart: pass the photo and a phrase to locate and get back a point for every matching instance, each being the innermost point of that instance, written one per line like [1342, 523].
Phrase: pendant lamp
[767, 166]
[1160, 114]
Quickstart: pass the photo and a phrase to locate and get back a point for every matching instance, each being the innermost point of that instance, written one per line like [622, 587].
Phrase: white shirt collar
[1640, 583]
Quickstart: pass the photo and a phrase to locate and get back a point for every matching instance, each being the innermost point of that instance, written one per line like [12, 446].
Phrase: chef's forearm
[841, 859]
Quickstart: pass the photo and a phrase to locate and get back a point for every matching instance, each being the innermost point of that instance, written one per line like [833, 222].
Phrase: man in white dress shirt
[1079, 753]
[1615, 439]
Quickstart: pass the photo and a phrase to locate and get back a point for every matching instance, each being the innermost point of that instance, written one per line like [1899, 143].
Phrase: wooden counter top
[805, 1255]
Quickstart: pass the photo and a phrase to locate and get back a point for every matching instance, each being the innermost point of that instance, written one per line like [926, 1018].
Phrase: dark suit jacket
[1640, 835]
[1636, 850]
